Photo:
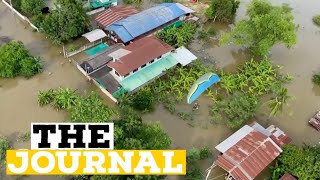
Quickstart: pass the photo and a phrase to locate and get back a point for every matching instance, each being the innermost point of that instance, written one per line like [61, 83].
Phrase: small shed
[95, 35]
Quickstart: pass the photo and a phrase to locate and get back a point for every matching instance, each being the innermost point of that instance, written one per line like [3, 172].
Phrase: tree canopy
[222, 10]
[266, 26]
[68, 21]
[15, 60]
[32, 7]
[303, 162]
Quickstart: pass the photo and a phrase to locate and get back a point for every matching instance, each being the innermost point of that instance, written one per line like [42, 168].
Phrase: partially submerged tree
[68, 21]
[236, 109]
[16, 60]
[303, 162]
[222, 10]
[32, 7]
[266, 26]
[316, 20]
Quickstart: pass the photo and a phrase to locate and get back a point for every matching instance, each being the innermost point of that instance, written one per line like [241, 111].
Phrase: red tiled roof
[113, 14]
[287, 176]
[248, 157]
[142, 51]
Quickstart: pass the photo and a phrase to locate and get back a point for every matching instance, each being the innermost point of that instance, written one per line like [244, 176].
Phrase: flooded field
[18, 102]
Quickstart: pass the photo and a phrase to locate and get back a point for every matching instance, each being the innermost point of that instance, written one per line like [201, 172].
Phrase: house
[120, 69]
[114, 14]
[247, 152]
[136, 56]
[146, 22]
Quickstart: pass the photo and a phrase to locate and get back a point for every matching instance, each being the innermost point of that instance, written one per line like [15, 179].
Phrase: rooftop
[114, 14]
[248, 151]
[135, 25]
[148, 73]
[142, 51]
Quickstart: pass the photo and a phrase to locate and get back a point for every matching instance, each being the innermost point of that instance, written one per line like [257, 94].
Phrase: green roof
[148, 73]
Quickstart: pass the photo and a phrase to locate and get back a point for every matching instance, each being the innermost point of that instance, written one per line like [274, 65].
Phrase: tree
[236, 109]
[303, 162]
[68, 21]
[222, 10]
[143, 100]
[16, 60]
[193, 168]
[32, 7]
[266, 26]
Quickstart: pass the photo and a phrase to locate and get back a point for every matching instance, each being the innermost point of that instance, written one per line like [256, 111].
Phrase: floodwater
[18, 102]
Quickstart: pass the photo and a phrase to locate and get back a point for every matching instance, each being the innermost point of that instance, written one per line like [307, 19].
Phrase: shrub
[203, 34]
[222, 10]
[4, 146]
[178, 36]
[16, 60]
[236, 109]
[37, 19]
[316, 79]
[32, 7]
[132, 1]
[316, 20]
[143, 100]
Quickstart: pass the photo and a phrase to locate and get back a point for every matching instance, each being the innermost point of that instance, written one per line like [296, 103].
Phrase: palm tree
[276, 103]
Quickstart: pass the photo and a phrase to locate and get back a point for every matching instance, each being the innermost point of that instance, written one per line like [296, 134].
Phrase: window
[117, 73]
[126, 75]
[135, 70]
[143, 66]
[159, 57]
[152, 61]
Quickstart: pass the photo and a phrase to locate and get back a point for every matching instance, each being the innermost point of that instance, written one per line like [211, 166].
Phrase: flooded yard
[18, 97]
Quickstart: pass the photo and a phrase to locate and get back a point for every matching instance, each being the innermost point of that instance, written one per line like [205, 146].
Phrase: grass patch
[25, 137]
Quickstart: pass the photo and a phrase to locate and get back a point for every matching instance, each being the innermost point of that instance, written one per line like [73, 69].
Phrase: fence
[83, 48]
[20, 15]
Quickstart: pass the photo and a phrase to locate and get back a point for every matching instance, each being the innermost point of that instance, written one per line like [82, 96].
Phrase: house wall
[121, 78]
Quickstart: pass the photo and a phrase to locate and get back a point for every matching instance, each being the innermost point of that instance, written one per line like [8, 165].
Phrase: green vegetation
[193, 168]
[303, 162]
[68, 21]
[253, 79]
[266, 26]
[316, 20]
[132, 1]
[89, 108]
[4, 146]
[222, 10]
[280, 98]
[143, 100]
[235, 109]
[316, 79]
[24, 137]
[205, 33]
[16, 4]
[180, 36]
[15, 60]
[32, 7]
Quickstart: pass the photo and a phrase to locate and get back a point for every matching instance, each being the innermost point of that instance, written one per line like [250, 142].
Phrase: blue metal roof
[145, 21]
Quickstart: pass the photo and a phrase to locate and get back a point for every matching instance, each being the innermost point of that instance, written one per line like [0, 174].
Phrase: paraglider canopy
[202, 84]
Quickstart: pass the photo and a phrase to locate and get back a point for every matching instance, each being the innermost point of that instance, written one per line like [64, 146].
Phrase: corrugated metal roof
[145, 21]
[248, 156]
[234, 138]
[142, 51]
[114, 14]
[95, 35]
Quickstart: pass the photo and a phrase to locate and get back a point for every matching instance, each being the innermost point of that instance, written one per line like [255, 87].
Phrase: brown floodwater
[18, 102]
